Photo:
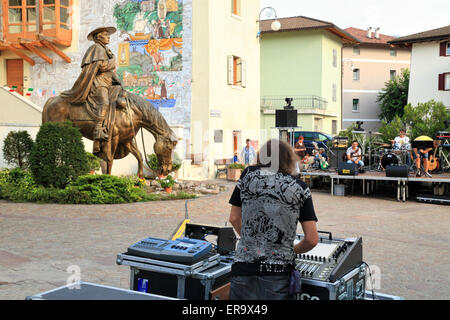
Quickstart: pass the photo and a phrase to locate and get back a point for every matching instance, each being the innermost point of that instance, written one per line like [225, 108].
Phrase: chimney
[369, 32]
[377, 33]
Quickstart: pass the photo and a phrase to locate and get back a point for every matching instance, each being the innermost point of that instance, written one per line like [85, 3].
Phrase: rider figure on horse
[97, 77]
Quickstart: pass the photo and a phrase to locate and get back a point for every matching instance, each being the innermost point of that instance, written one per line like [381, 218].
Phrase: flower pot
[168, 190]
[233, 174]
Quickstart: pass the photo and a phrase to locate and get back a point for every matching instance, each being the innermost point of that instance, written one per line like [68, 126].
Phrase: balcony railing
[298, 102]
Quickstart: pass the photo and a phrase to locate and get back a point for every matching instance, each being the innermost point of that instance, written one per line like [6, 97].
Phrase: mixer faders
[329, 259]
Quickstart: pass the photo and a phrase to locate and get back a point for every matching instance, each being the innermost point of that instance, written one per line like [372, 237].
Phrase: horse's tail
[45, 110]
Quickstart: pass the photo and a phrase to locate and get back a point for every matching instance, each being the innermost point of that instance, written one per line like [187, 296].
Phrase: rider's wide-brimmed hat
[91, 35]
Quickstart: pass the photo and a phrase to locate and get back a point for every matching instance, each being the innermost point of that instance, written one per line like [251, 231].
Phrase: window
[334, 127]
[356, 51]
[355, 107]
[334, 92]
[334, 58]
[393, 74]
[444, 81]
[308, 135]
[49, 15]
[23, 18]
[218, 136]
[237, 69]
[356, 74]
[444, 50]
[64, 15]
[393, 53]
[236, 7]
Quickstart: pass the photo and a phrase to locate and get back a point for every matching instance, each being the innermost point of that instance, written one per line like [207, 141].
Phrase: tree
[394, 97]
[58, 156]
[426, 119]
[17, 148]
[391, 130]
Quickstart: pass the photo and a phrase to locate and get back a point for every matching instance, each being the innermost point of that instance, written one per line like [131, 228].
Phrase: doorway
[14, 74]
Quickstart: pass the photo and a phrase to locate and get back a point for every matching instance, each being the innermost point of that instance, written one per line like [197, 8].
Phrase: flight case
[198, 281]
[351, 286]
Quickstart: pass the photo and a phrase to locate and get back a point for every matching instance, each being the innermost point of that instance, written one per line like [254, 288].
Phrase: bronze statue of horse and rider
[107, 114]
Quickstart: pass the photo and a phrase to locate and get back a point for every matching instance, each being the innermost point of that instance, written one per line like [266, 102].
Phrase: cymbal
[382, 144]
[368, 132]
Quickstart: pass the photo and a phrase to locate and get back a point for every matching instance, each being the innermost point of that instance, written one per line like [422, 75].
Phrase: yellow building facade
[225, 87]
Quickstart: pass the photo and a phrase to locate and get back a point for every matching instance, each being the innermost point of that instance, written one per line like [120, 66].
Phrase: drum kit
[380, 155]
[387, 155]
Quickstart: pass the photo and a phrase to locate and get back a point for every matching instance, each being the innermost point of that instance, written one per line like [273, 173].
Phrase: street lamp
[270, 12]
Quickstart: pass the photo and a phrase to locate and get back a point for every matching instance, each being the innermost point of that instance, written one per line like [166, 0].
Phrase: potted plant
[234, 171]
[167, 183]
[93, 162]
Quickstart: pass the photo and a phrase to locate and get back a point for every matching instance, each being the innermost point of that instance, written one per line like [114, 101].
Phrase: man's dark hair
[248, 140]
[286, 157]
[402, 130]
[355, 141]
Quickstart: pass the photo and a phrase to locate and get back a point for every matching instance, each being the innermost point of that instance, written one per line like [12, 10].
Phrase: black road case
[92, 291]
[192, 282]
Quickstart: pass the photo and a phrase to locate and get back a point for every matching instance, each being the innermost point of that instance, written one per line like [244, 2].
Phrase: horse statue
[106, 113]
[132, 113]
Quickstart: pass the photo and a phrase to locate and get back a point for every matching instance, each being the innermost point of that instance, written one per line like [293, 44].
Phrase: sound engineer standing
[267, 204]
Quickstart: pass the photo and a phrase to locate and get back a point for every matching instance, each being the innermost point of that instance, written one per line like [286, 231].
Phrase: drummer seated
[401, 142]
[354, 154]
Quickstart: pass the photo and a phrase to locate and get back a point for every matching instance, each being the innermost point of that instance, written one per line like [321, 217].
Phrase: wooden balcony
[30, 25]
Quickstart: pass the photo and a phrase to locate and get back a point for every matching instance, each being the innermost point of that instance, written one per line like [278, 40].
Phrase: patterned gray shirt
[272, 204]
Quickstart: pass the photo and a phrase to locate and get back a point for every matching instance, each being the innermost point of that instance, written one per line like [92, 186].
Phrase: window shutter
[244, 73]
[443, 49]
[442, 81]
[230, 70]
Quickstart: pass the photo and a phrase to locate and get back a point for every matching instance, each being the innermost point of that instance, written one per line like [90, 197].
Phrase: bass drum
[389, 159]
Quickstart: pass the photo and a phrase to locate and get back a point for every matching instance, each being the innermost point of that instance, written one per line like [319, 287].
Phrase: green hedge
[19, 186]
[58, 156]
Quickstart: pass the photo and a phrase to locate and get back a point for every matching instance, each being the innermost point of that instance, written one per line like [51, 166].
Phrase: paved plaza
[409, 242]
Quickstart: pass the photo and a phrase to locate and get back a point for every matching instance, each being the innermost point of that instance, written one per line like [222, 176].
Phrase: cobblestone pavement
[408, 242]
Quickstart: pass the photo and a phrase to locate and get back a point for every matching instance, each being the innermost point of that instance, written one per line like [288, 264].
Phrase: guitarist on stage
[422, 154]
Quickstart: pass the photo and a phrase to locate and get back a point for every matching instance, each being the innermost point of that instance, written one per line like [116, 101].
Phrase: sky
[393, 17]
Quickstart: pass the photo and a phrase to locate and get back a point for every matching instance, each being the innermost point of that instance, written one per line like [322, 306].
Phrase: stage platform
[369, 177]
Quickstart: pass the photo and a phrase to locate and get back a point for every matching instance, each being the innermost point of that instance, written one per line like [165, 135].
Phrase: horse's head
[164, 148]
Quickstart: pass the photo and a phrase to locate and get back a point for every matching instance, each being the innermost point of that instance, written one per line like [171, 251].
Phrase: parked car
[313, 136]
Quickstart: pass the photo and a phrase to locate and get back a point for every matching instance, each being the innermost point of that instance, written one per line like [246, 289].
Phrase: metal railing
[298, 102]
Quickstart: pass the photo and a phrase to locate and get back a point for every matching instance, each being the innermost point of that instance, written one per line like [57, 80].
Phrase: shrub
[106, 189]
[166, 182]
[236, 166]
[153, 162]
[426, 118]
[93, 161]
[16, 185]
[17, 148]
[58, 156]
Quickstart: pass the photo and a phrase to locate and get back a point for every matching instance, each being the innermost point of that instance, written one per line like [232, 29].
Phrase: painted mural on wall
[151, 48]
[166, 80]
